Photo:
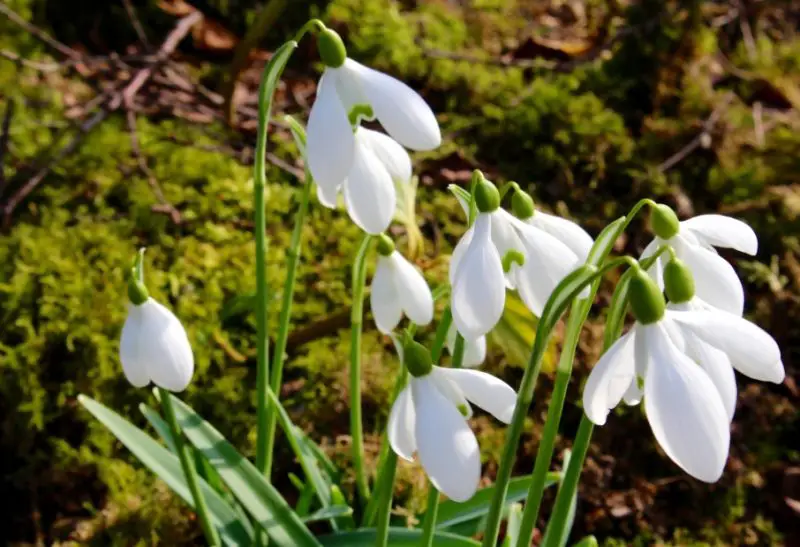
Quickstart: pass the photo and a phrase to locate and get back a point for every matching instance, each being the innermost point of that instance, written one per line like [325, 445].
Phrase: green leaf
[546, 540]
[398, 537]
[605, 241]
[513, 525]
[250, 487]
[452, 514]
[161, 427]
[322, 458]
[332, 512]
[569, 287]
[232, 530]
[304, 453]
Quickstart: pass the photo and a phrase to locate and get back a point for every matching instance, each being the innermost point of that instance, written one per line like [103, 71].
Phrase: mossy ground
[588, 143]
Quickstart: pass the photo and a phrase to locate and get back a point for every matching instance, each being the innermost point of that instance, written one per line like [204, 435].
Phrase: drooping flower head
[154, 346]
[429, 418]
[360, 162]
[666, 360]
[694, 240]
[397, 288]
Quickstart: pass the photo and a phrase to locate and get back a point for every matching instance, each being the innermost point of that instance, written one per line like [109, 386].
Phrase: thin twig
[136, 23]
[39, 33]
[173, 39]
[5, 133]
[34, 181]
[696, 142]
[141, 161]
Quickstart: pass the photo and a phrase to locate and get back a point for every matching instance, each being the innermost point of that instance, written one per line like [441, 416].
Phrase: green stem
[441, 335]
[385, 514]
[458, 351]
[276, 370]
[189, 471]
[569, 483]
[359, 276]
[432, 511]
[544, 454]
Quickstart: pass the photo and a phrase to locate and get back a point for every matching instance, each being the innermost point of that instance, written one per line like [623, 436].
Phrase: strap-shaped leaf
[332, 512]
[398, 537]
[605, 241]
[257, 496]
[232, 530]
[452, 514]
[547, 539]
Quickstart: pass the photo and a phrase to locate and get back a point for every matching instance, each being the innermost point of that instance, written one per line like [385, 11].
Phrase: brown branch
[5, 131]
[167, 48]
[696, 142]
[39, 33]
[141, 162]
[136, 23]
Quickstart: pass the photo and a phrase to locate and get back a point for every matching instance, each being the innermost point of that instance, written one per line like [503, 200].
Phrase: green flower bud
[137, 292]
[331, 48]
[664, 221]
[510, 258]
[417, 358]
[645, 298]
[385, 245]
[487, 198]
[522, 204]
[678, 281]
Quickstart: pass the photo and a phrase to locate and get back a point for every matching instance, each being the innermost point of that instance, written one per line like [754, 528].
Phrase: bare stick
[4, 136]
[136, 23]
[141, 161]
[173, 39]
[39, 33]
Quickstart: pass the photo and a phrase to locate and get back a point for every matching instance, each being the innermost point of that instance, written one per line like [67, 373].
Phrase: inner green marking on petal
[360, 112]
[462, 408]
[639, 382]
[510, 258]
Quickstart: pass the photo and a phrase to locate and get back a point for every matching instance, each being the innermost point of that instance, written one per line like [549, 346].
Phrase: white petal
[547, 262]
[401, 111]
[392, 155]
[133, 366]
[474, 350]
[566, 231]
[446, 446]
[505, 239]
[609, 379]
[722, 231]
[451, 391]
[718, 367]
[164, 347]
[330, 141]
[384, 299]
[458, 254]
[369, 193]
[327, 196]
[656, 270]
[491, 394]
[633, 395]
[685, 410]
[715, 279]
[413, 291]
[752, 351]
[400, 428]
[478, 293]
[348, 87]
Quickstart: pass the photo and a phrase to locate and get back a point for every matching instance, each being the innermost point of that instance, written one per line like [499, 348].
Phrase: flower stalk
[359, 275]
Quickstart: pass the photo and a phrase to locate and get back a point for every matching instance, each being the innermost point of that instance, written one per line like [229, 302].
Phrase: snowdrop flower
[398, 287]
[693, 241]
[474, 350]
[478, 291]
[154, 346]
[654, 362]
[537, 250]
[430, 415]
[362, 163]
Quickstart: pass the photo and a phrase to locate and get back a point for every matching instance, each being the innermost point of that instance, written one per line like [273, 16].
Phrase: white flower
[551, 247]
[154, 348]
[430, 415]
[687, 391]
[396, 288]
[474, 350]
[715, 279]
[478, 291]
[368, 187]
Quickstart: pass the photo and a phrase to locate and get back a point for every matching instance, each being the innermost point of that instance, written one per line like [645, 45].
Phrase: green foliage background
[588, 141]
